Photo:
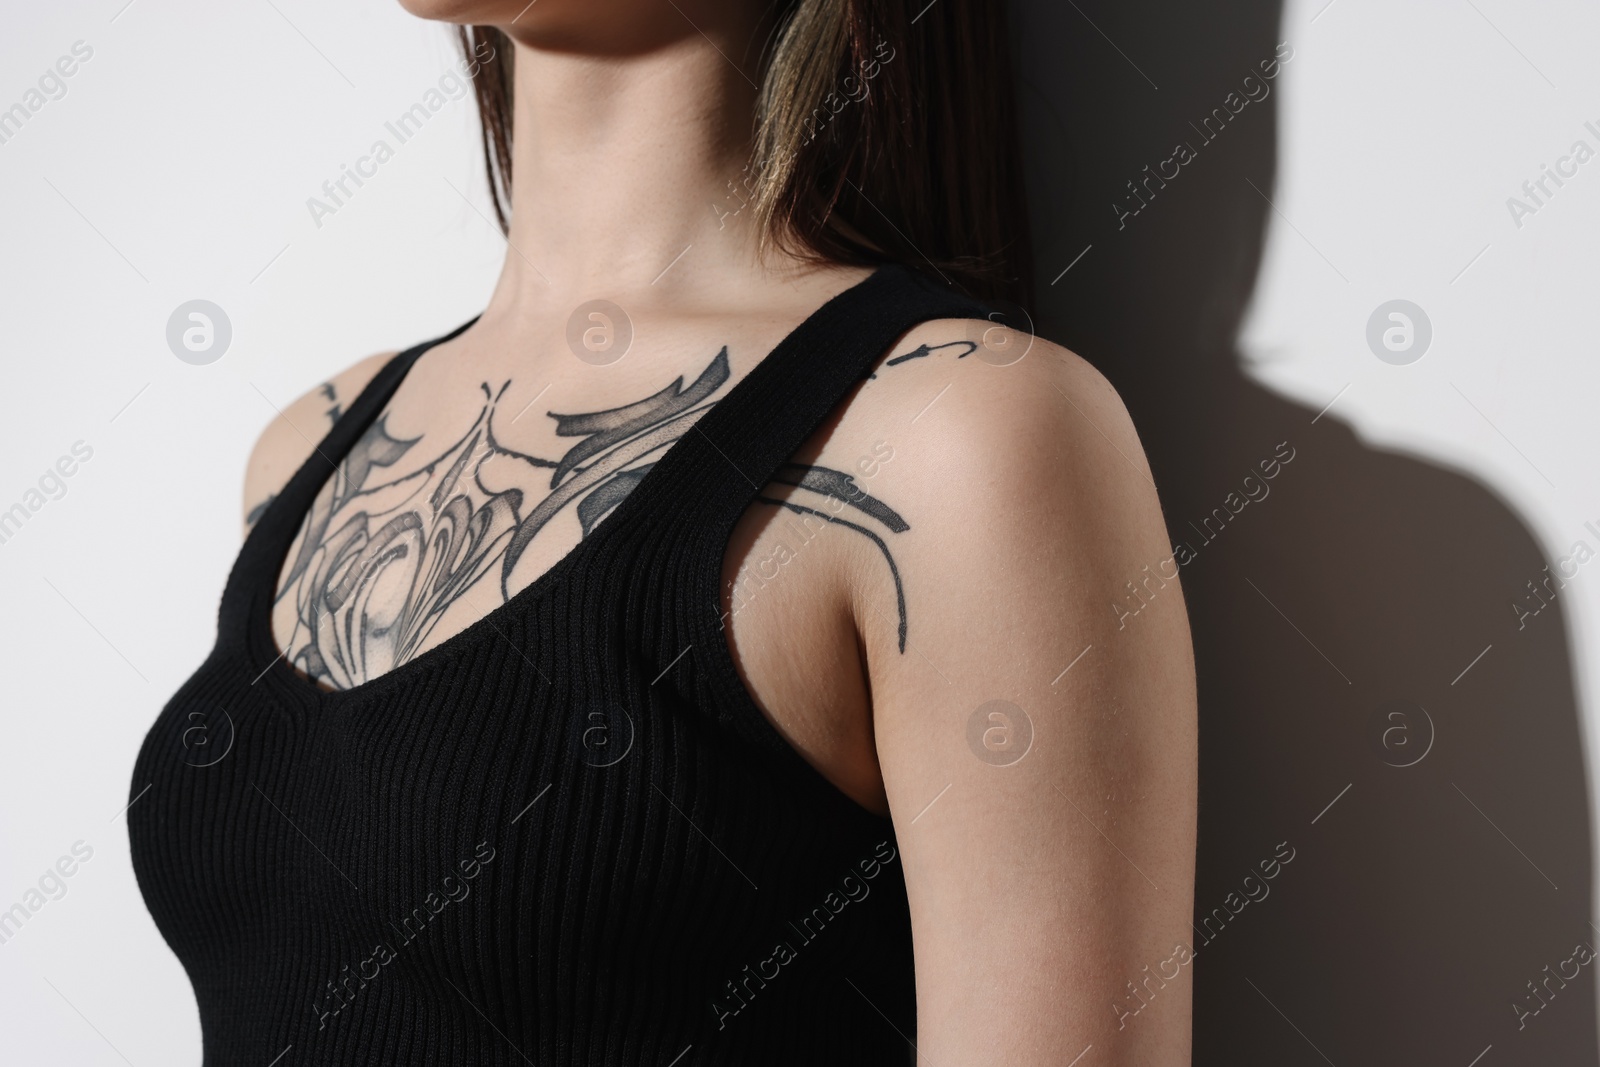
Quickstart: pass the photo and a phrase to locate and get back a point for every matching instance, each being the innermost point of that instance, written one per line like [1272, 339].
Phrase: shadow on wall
[1439, 821]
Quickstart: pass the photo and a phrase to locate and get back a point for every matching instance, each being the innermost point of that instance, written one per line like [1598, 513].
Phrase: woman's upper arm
[1037, 743]
[294, 431]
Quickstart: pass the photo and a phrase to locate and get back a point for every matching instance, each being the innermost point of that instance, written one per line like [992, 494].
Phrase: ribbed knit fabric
[566, 835]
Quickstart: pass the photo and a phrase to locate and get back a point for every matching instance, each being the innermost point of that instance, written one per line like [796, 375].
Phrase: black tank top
[565, 835]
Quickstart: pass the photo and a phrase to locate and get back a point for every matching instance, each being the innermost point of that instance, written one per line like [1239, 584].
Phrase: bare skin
[999, 525]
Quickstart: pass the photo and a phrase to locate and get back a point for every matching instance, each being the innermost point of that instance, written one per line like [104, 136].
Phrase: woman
[639, 673]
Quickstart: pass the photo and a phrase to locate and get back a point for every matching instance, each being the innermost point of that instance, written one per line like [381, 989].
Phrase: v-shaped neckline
[273, 535]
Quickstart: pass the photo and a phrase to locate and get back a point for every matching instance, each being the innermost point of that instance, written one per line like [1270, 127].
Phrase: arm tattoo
[333, 399]
[333, 413]
[928, 350]
[382, 557]
[841, 488]
[259, 510]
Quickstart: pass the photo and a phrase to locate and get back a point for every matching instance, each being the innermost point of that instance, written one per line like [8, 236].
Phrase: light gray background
[178, 164]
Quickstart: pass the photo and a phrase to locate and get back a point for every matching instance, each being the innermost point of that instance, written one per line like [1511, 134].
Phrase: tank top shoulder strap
[736, 449]
[788, 395]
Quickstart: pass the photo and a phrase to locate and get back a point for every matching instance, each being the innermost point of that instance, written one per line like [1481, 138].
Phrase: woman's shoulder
[1028, 511]
[996, 445]
[295, 429]
[969, 390]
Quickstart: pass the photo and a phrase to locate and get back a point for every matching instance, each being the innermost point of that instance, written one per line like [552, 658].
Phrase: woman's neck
[621, 163]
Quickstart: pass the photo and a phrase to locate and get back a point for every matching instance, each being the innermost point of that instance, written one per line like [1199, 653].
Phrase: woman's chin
[474, 12]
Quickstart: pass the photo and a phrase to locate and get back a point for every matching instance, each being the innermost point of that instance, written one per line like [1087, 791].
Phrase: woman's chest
[432, 523]
[513, 825]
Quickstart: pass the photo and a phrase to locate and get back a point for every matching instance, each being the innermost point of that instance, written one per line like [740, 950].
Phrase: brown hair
[879, 135]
